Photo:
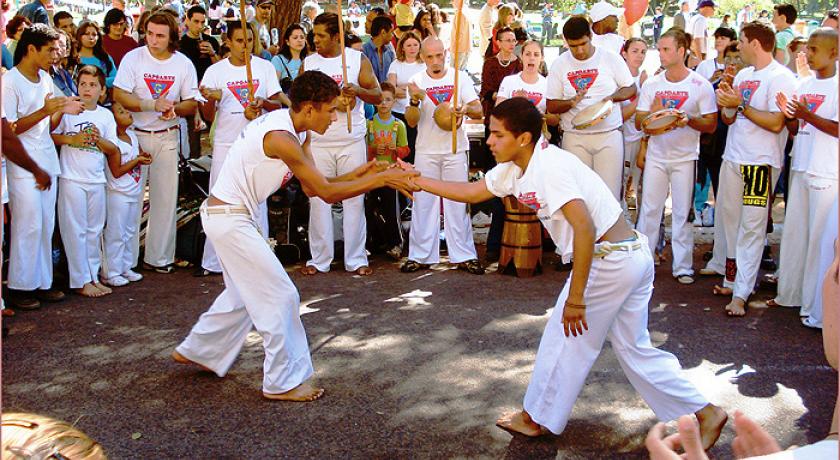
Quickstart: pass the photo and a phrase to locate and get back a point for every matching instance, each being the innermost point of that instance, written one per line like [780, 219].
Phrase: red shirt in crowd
[117, 48]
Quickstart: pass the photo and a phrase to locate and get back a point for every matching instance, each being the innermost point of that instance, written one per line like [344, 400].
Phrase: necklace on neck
[505, 63]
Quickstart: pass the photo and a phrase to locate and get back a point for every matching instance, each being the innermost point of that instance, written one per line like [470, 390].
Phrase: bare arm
[622, 94]
[369, 87]
[127, 100]
[13, 150]
[474, 110]
[583, 246]
[186, 108]
[705, 123]
[771, 121]
[628, 110]
[465, 192]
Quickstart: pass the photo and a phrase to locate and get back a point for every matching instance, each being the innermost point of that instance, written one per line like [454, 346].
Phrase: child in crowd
[386, 141]
[83, 139]
[124, 196]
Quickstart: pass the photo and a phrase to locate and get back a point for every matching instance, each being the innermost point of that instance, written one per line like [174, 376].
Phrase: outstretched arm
[465, 192]
[284, 146]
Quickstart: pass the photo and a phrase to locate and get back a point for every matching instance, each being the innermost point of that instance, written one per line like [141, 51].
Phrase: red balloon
[634, 10]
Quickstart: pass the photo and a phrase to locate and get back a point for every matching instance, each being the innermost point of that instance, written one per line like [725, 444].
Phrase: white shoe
[116, 281]
[685, 279]
[131, 275]
[709, 272]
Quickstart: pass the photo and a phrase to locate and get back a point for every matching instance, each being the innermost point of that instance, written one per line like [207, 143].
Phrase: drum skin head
[661, 121]
[592, 115]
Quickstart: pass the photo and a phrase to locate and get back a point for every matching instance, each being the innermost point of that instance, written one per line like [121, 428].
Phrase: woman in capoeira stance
[258, 292]
[608, 292]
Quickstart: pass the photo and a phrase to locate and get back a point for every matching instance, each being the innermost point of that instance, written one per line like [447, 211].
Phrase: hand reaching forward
[663, 447]
[400, 180]
[751, 440]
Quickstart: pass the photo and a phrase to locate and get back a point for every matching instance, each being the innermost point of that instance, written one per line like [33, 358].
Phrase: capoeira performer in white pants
[225, 89]
[580, 78]
[338, 152]
[671, 156]
[752, 158]
[159, 85]
[633, 52]
[85, 139]
[28, 104]
[258, 292]
[609, 289]
[428, 90]
[813, 176]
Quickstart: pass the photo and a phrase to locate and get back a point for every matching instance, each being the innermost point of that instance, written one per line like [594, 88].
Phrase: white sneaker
[709, 272]
[685, 279]
[116, 281]
[131, 275]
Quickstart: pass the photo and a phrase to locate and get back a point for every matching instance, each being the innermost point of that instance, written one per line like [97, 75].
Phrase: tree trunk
[286, 13]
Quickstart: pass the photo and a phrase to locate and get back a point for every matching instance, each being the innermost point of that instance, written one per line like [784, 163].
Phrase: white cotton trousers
[659, 178]
[258, 294]
[602, 152]
[81, 217]
[631, 149]
[30, 234]
[424, 237]
[333, 162]
[209, 259]
[163, 195]
[121, 229]
[718, 260]
[744, 222]
[826, 256]
[809, 201]
[616, 296]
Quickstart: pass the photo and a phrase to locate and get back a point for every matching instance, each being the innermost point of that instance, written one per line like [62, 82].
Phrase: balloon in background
[634, 10]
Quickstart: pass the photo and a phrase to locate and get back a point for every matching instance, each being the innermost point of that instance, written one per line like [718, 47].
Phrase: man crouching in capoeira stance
[610, 285]
[258, 292]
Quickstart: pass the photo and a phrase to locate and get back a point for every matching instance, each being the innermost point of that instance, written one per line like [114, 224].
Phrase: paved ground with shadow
[414, 366]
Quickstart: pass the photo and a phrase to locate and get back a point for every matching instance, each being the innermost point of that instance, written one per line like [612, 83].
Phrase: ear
[524, 139]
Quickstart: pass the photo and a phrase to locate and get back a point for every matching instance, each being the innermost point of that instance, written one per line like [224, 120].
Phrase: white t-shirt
[22, 97]
[431, 140]
[631, 134]
[233, 81]
[693, 95]
[404, 71]
[698, 27]
[129, 183]
[813, 150]
[708, 67]
[602, 74]
[611, 42]
[86, 163]
[249, 176]
[535, 91]
[147, 78]
[821, 450]
[553, 178]
[746, 142]
[337, 134]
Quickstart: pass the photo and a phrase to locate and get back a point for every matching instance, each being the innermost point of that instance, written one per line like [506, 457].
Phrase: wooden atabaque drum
[521, 240]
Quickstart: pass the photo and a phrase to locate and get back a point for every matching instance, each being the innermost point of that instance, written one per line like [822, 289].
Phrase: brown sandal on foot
[309, 270]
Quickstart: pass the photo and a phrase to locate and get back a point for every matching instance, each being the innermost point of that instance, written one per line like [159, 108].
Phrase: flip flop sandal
[472, 266]
[411, 266]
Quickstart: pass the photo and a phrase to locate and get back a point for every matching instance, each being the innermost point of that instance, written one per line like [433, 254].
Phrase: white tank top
[248, 176]
[337, 134]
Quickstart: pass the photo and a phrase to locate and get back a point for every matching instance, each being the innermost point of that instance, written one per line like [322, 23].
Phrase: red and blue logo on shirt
[240, 90]
[747, 89]
[158, 84]
[581, 80]
[529, 199]
[439, 94]
[672, 99]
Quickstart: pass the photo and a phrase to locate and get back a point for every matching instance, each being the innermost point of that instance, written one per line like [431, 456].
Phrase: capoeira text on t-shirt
[158, 84]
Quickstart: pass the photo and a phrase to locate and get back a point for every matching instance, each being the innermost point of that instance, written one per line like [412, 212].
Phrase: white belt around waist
[604, 249]
[224, 209]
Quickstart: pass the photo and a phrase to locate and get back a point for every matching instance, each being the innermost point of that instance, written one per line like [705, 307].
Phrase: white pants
[163, 195]
[209, 259]
[744, 221]
[333, 162]
[826, 258]
[424, 237]
[602, 152]
[658, 179]
[81, 217]
[30, 234]
[631, 149]
[122, 225]
[718, 260]
[809, 200]
[258, 294]
[617, 296]
[184, 138]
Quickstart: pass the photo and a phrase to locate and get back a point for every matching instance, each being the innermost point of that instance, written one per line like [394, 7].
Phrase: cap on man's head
[265, 2]
[704, 3]
[603, 10]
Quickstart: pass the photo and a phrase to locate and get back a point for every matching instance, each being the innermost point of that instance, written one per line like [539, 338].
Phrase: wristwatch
[741, 108]
[415, 103]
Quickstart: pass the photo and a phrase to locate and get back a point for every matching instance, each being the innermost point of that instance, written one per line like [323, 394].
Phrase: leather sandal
[472, 266]
[411, 266]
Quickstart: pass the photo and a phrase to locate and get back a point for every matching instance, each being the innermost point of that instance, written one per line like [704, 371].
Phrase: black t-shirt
[189, 47]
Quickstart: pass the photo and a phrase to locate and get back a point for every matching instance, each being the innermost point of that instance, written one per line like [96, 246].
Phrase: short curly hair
[314, 87]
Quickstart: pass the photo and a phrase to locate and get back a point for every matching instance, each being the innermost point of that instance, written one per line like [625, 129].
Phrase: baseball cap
[703, 3]
[263, 2]
[602, 10]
